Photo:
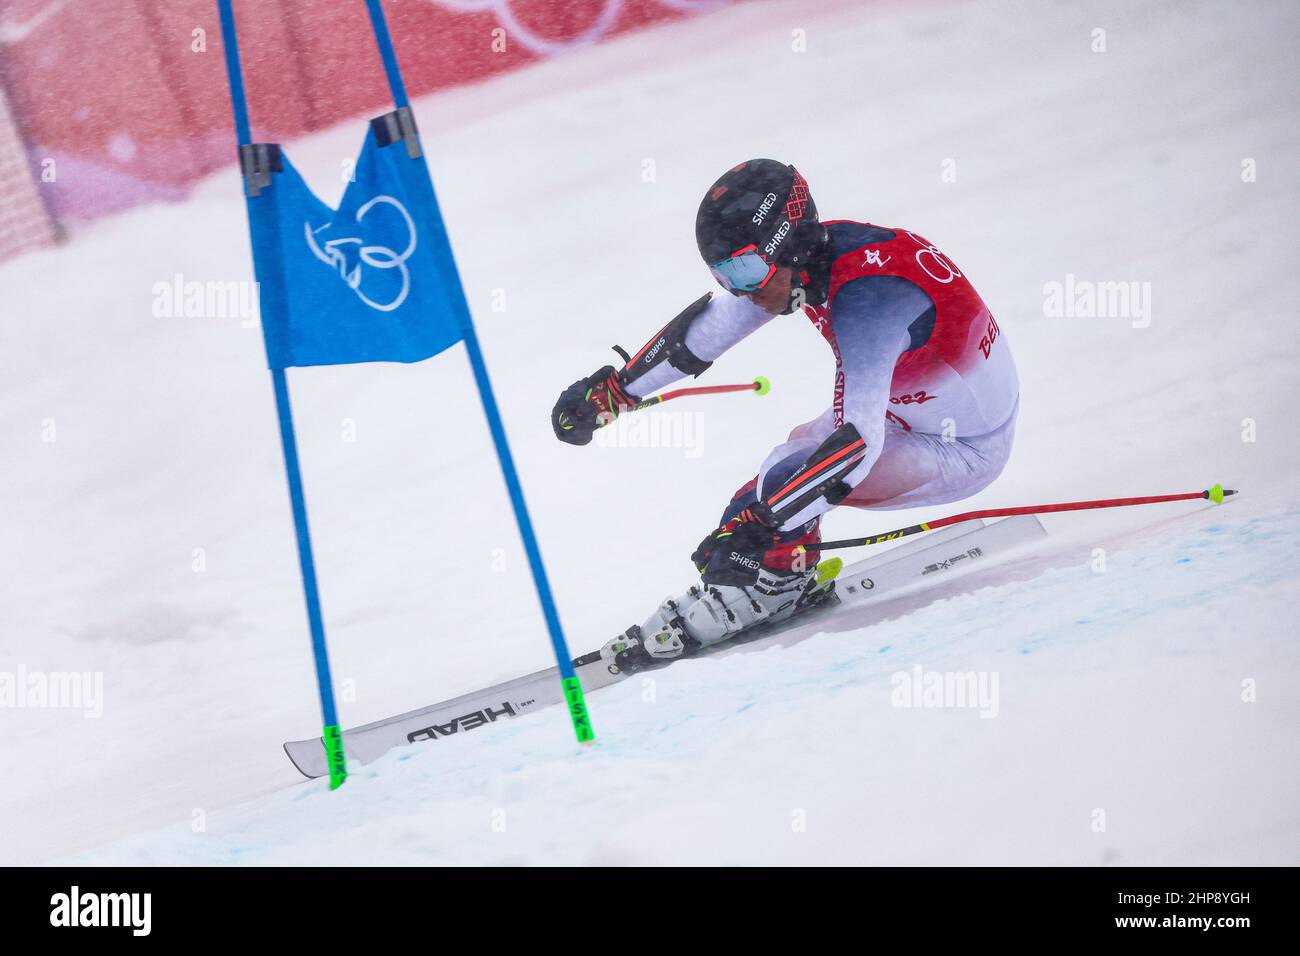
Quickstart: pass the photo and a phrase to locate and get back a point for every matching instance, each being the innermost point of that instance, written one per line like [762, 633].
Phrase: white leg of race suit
[914, 468]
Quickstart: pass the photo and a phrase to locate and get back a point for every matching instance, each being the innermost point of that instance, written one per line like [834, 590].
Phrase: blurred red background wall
[121, 95]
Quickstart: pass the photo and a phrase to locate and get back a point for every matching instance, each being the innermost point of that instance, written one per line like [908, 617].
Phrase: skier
[924, 407]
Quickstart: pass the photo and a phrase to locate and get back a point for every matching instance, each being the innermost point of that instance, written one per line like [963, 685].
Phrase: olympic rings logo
[534, 43]
[334, 255]
[936, 258]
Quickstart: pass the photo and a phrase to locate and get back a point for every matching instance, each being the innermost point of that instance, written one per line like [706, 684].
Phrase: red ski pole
[1215, 494]
[759, 386]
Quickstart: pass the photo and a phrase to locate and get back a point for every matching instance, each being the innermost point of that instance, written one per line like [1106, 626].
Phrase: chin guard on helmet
[667, 345]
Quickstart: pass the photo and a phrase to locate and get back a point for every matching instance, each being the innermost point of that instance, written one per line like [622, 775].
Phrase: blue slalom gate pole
[332, 734]
[569, 679]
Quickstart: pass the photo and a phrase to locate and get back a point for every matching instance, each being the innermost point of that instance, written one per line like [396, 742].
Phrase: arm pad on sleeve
[668, 345]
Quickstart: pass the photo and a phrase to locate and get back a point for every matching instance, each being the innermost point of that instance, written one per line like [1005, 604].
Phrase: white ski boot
[706, 614]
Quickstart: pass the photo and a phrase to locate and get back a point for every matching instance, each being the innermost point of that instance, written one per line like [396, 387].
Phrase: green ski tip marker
[762, 386]
[335, 756]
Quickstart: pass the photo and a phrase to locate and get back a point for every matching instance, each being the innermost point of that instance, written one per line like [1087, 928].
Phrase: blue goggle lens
[747, 272]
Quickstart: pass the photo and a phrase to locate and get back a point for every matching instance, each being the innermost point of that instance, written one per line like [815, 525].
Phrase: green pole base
[334, 754]
[578, 710]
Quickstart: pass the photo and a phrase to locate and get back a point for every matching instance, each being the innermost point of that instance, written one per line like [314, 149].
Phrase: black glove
[588, 404]
[733, 554]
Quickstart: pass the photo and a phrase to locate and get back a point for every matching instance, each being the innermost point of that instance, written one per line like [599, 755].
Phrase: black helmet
[761, 214]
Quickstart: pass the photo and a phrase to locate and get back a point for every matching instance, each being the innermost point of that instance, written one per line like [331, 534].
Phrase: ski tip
[293, 757]
[762, 386]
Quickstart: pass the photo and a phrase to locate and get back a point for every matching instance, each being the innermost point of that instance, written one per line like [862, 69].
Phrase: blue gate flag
[373, 281]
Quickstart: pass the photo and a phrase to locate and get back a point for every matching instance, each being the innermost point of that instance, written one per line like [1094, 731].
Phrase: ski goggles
[744, 271]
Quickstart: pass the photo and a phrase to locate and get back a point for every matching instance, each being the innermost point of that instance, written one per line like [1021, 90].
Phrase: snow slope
[1120, 691]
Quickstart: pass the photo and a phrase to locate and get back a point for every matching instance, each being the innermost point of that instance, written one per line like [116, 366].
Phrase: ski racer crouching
[925, 393]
